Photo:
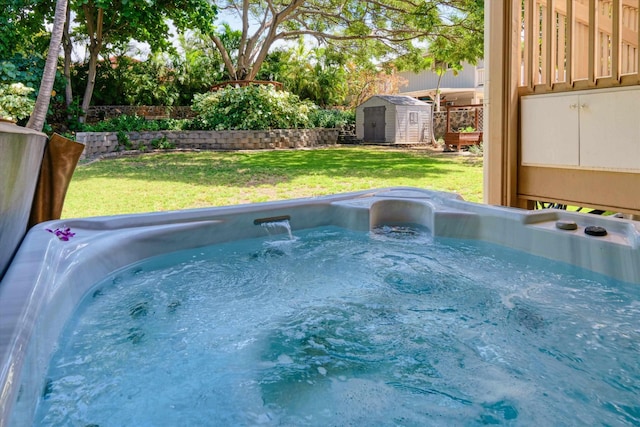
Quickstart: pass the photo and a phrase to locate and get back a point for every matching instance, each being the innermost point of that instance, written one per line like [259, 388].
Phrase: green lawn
[179, 180]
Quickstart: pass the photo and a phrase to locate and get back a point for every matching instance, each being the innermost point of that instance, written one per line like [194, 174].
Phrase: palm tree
[36, 121]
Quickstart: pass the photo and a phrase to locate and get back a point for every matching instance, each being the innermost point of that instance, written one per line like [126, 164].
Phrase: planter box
[462, 139]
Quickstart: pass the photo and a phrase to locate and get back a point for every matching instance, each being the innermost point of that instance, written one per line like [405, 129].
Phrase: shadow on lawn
[261, 167]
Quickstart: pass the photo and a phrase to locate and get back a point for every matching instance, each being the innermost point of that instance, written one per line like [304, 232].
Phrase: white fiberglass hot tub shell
[49, 276]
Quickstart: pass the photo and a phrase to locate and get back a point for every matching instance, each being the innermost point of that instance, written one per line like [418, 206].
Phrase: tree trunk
[39, 115]
[95, 45]
[91, 81]
[437, 105]
[67, 47]
[437, 101]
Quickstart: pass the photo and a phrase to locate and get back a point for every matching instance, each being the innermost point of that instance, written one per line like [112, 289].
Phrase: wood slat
[545, 44]
[561, 48]
[567, 41]
[616, 37]
[530, 41]
[570, 40]
[551, 43]
[593, 32]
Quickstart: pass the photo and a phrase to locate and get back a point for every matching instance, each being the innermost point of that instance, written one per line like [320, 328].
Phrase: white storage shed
[393, 119]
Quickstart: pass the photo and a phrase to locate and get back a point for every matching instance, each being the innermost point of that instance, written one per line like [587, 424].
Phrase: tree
[317, 74]
[150, 82]
[22, 29]
[197, 65]
[364, 82]
[451, 47]
[37, 119]
[382, 29]
[112, 22]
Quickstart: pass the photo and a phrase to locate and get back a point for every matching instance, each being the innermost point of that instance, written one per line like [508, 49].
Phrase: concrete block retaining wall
[100, 143]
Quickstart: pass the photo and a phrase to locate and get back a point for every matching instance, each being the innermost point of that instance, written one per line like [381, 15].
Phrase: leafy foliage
[124, 142]
[38, 118]
[162, 144]
[126, 123]
[197, 67]
[19, 68]
[355, 39]
[15, 102]
[150, 83]
[476, 149]
[332, 118]
[454, 45]
[125, 81]
[253, 107]
[317, 74]
[250, 108]
[27, 69]
[22, 29]
[110, 79]
[164, 78]
[467, 129]
[381, 30]
[113, 23]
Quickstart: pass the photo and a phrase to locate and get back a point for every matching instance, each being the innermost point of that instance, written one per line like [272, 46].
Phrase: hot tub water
[339, 327]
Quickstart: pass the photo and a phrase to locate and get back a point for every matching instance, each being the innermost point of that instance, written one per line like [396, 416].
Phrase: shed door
[374, 124]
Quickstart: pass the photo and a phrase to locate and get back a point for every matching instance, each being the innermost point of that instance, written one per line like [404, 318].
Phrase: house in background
[464, 88]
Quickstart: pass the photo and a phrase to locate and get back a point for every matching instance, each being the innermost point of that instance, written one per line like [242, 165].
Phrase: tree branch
[228, 63]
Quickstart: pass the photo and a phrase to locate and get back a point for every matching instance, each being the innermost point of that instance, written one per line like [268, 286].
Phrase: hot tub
[49, 275]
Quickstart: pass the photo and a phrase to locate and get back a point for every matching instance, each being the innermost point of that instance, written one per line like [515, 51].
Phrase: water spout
[259, 221]
[277, 227]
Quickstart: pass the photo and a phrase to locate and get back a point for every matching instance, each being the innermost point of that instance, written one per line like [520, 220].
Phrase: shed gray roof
[400, 99]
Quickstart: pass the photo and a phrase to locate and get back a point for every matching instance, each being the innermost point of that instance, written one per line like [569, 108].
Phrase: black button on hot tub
[594, 230]
[566, 225]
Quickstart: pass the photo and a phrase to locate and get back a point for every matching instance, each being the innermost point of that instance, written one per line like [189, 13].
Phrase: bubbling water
[338, 327]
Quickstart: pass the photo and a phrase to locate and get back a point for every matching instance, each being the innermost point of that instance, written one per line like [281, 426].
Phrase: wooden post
[502, 47]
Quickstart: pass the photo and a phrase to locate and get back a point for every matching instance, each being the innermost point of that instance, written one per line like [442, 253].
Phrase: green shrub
[251, 107]
[15, 101]
[124, 143]
[248, 108]
[126, 123]
[162, 144]
[476, 149]
[332, 118]
[467, 129]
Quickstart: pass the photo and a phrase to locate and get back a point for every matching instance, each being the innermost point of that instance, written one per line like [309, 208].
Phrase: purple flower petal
[63, 235]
